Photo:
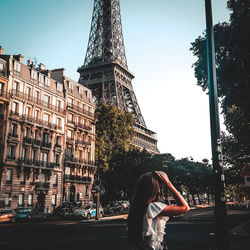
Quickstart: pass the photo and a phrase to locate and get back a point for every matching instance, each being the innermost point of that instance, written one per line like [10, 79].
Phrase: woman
[147, 216]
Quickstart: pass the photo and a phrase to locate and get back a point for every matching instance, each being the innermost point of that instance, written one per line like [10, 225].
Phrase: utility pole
[218, 173]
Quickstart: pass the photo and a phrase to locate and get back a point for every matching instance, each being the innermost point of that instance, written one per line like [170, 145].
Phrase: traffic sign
[101, 191]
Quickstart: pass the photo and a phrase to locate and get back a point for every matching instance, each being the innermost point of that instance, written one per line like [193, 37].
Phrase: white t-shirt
[154, 226]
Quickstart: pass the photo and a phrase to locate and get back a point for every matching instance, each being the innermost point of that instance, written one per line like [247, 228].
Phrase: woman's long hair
[147, 190]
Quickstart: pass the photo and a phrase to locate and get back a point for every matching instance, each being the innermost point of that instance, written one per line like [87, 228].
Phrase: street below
[195, 230]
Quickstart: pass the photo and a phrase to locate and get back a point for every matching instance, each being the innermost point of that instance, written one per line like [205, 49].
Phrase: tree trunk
[199, 198]
[194, 201]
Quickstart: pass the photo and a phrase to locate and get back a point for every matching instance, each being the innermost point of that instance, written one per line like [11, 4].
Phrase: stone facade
[45, 157]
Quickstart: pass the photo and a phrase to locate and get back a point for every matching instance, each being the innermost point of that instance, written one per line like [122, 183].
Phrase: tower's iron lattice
[105, 69]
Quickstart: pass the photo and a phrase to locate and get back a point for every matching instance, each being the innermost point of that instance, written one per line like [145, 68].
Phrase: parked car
[24, 213]
[88, 212]
[7, 215]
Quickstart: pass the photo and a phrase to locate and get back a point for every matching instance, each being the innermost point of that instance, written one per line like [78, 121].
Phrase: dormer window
[47, 82]
[80, 90]
[70, 86]
[59, 87]
[41, 80]
[17, 68]
[1, 69]
[33, 76]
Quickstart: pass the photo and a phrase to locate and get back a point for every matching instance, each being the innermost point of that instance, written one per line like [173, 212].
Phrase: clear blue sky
[157, 38]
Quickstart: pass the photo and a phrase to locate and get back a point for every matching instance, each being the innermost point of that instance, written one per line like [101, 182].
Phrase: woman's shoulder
[154, 208]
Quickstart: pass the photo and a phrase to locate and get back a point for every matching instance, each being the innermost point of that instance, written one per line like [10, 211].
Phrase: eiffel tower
[105, 69]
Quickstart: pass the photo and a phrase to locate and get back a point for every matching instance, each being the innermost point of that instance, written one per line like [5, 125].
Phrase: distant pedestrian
[147, 216]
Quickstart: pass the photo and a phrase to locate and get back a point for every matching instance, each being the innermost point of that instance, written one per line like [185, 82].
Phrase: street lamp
[218, 173]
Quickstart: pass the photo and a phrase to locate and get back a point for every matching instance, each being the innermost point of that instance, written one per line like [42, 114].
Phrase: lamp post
[218, 173]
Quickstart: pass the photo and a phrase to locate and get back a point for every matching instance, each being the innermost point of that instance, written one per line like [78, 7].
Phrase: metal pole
[218, 173]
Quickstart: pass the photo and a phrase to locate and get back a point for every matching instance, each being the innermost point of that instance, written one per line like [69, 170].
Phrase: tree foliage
[232, 52]
[186, 175]
[114, 131]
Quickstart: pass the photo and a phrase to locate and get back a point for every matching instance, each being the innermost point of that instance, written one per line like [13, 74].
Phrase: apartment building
[47, 136]
[79, 166]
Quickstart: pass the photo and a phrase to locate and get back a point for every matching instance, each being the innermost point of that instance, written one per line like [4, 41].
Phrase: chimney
[1, 50]
[19, 57]
[42, 66]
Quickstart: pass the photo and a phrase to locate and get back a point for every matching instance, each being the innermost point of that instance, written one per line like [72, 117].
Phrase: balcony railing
[81, 110]
[42, 185]
[13, 135]
[37, 101]
[72, 159]
[77, 178]
[83, 126]
[31, 162]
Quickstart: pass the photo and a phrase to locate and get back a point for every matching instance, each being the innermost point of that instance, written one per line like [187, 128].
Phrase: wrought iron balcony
[46, 144]
[13, 135]
[42, 185]
[27, 140]
[31, 162]
[37, 101]
[76, 178]
[80, 110]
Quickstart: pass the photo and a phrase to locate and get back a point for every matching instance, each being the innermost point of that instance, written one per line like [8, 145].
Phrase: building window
[58, 140]
[21, 200]
[53, 200]
[34, 154]
[87, 191]
[14, 108]
[55, 179]
[28, 132]
[9, 174]
[15, 86]
[25, 153]
[69, 151]
[7, 200]
[47, 82]
[46, 117]
[28, 112]
[46, 99]
[41, 80]
[32, 178]
[17, 68]
[1, 67]
[12, 152]
[70, 86]
[33, 76]
[69, 134]
[42, 178]
[13, 129]
[59, 87]
[67, 170]
[58, 105]
[44, 157]
[30, 200]
[70, 118]
[70, 102]
[22, 178]
[57, 160]
[80, 92]
[36, 115]
[59, 123]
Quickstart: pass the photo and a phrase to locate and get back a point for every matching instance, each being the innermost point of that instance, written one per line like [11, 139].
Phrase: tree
[232, 52]
[114, 131]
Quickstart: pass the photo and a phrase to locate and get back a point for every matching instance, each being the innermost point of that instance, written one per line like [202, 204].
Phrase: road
[194, 230]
